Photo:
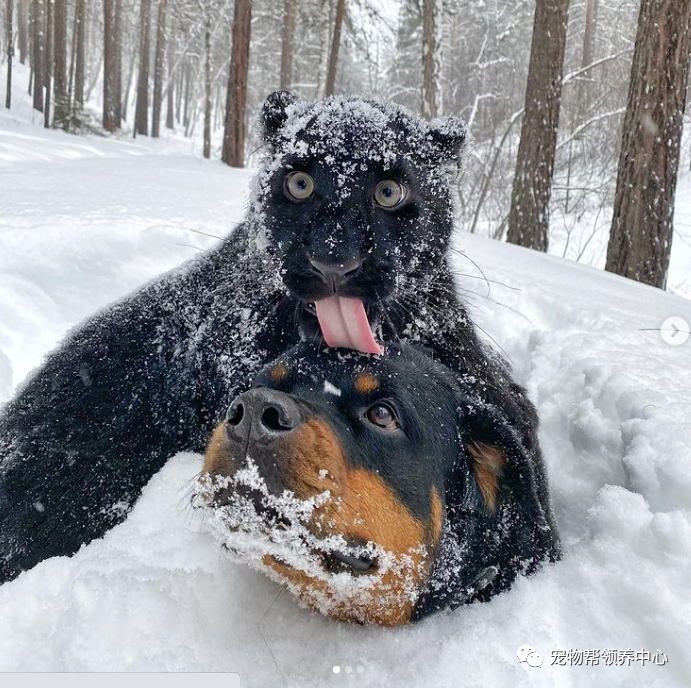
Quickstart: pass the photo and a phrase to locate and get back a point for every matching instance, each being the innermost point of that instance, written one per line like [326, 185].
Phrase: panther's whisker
[458, 252]
[388, 319]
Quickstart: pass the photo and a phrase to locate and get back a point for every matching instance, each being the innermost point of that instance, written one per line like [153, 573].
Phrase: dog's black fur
[151, 375]
[496, 518]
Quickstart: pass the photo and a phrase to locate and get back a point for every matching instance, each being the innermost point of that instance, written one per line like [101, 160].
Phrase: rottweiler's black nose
[261, 415]
[336, 273]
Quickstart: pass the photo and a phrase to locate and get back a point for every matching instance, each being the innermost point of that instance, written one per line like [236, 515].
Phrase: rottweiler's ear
[274, 113]
[500, 462]
[487, 465]
[449, 135]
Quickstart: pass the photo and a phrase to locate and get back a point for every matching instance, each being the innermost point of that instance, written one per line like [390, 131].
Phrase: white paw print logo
[530, 655]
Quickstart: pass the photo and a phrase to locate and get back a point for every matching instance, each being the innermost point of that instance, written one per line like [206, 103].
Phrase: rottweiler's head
[358, 482]
[354, 199]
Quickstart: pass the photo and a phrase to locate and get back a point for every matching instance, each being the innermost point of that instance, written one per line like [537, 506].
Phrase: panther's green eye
[389, 193]
[299, 185]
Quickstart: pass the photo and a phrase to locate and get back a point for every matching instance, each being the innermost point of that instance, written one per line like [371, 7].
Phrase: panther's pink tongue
[344, 324]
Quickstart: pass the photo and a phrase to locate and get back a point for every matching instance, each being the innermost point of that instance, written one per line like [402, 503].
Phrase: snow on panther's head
[353, 198]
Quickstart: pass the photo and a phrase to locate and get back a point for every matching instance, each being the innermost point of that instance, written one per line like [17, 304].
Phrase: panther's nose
[261, 415]
[336, 273]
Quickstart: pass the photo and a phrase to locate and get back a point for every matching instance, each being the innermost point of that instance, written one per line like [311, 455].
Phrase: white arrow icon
[675, 331]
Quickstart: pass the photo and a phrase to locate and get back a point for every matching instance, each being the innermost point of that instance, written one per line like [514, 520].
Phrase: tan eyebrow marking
[280, 372]
[365, 383]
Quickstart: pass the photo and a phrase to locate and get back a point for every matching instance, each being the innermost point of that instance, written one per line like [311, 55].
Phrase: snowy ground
[84, 221]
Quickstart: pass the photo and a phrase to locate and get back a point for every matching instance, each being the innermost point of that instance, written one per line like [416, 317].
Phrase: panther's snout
[335, 274]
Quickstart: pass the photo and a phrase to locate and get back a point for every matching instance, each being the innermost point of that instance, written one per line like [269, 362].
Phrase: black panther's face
[354, 196]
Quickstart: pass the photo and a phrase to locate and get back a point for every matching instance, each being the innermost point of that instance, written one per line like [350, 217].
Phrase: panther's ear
[500, 463]
[274, 113]
[449, 136]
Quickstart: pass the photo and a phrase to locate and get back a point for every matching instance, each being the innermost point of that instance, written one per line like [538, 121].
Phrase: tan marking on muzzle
[363, 508]
[218, 460]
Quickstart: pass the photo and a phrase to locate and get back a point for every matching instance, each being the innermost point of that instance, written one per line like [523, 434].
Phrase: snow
[84, 221]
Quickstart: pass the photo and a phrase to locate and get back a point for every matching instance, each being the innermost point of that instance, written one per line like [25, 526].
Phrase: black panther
[347, 233]
[415, 494]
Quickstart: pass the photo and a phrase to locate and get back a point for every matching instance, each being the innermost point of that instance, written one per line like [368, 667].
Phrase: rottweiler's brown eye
[383, 416]
[389, 193]
[299, 185]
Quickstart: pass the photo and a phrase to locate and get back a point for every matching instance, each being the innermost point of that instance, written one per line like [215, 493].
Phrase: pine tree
[159, 62]
[432, 17]
[141, 117]
[48, 64]
[80, 53]
[532, 188]
[335, 46]
[290, 11]
[642, 228]
[236, 96]
[61, 116]
[207, 90]
[22, 35]
[111, 122]
[10, 51]
[37, 50]
[170, 89]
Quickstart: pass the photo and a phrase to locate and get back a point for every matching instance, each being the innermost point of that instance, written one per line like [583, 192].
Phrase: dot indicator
[361, 670]
[337, 670]
[348, 669]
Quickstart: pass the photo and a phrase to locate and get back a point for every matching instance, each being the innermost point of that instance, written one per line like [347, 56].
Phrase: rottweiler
[379, 489]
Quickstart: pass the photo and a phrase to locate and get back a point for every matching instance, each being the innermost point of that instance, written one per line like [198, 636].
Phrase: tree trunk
[48, 64]
[141, 125]
[170, 91]
[236, 97]
[335, 45]
[80, 59]
[591, 7]
[125, 101]
[180, 91]
[188, 95]
[10, 51]
[432, 17]
[62, 106]
[158, 69]
[207, 93]
[532, 187]
[290, 11]
[73, 58]
[640, 240]
[110, 106]
[37, 50]
[323, 68]
[22, 34]
[117, 23]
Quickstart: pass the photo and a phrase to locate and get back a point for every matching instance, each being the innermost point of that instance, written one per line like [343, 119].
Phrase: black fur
[151, 375]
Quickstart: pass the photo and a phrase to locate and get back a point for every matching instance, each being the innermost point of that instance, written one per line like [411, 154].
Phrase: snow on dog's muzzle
[282, 495]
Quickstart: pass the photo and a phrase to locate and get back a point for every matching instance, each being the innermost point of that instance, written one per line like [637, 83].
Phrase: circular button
[675, 331]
